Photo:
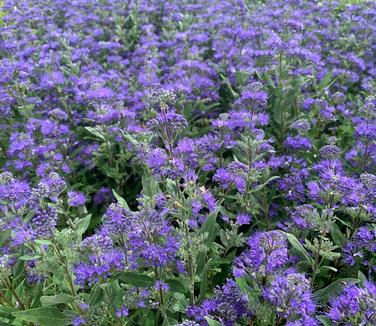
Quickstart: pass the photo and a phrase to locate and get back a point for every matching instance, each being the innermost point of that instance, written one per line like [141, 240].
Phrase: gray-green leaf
[56, 299]
[46, 316]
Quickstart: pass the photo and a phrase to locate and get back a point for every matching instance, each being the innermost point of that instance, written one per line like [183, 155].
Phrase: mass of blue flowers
[185, 162]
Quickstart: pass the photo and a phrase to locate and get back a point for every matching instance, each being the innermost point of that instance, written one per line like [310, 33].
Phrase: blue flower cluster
[188, 163]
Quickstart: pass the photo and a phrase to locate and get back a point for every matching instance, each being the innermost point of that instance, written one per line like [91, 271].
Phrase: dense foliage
[187, 162]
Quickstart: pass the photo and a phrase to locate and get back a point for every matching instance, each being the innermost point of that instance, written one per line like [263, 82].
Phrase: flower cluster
[187, 163]
[354, 306]
[266, 254]
[228, 305]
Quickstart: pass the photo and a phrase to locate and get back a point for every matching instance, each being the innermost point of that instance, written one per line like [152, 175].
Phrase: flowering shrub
[187, 163]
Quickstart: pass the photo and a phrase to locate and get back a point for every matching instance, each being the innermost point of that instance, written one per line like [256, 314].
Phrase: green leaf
[299, 248]
[6, 311]
[330, 268]
[325, 320]
[37, 293]
[324, 295]
[204, 281]
[148, 320]
[131, 139]
[344, 223]
[326, 80]
[259, 187]
[177, 286]
[223, 237]
[96, 295]
[56, 299]
[242, 283]
[228, 84]
[266, 76]
[172, 187]
[114, 292]
[362, 278]
[43, 242]
[212, 322]
[96, 132]
[4, 235]
[278, 106]
[242, 76]
[338, 238]
[169, 321]
[30, 257]
[83, 225]
[201, 258]
[135, 279]
[46, 316]
[209, 226]
[150, 186]
[179, 302]
[120, 199]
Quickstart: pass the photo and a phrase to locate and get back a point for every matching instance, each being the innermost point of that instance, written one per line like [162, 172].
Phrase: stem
[316, 263]
[355, 224]
[6, 299]
[9, 286]
[161, 298]
[190, 269]
[68, 278]
[107, 294]
[66, 271]
[365, 159]
[336, 265]
[3, 151]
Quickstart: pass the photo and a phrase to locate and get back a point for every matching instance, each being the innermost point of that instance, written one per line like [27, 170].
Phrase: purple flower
[228, 305]
[99, 267]
[76, 198]
[233, 175]
[290, 297]
[116, 220]
[243, 219]
[103, 195]
[78, 321]
[52, 79]
[361, 248]
[365, 131]
[266, 253]
[122, 312]
[100, 93]
[298, 143]
[302, 126]
[13, 192]
[354, 304]
[145, 234]
[303, 216]
[330, 152]
[162, 286]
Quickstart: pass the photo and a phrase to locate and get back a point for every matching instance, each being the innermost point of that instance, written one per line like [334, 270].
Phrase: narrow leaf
[209, 226]
[46, 316]
[135, 279]
[212, 322]
[299, 248]
[176, 286]
[204, 282]
[325, 320]
[338, 238]
[324, 295]
[30, 257]
[83, 225]
[120, 199]
[56, 299]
